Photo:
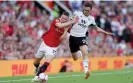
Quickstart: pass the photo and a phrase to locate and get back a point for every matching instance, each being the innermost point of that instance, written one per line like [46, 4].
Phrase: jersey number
[83, 21]
[54, 52]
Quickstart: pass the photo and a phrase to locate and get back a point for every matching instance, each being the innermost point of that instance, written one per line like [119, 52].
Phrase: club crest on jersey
[57, 20]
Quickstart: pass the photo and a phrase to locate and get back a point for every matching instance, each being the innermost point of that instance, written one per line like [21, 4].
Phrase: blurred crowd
[22, 24]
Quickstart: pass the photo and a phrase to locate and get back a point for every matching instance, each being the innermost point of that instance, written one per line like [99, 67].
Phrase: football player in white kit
[77, 40]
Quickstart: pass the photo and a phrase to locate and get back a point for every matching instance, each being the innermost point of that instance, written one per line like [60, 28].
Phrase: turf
[115, 76]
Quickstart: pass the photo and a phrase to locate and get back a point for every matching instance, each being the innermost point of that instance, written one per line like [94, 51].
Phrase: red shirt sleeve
[56, 21]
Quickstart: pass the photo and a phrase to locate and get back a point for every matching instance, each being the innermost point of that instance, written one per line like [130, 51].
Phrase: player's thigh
[74, 48]
[83, 46]
[41, 51]
[49, 58]
[72, 45]
[84, 49]
[50, 54]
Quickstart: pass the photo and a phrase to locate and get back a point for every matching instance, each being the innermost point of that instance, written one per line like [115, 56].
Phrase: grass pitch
[114, 76]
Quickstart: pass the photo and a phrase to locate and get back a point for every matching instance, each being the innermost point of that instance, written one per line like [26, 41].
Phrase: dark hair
[65, 13]
[88, 5]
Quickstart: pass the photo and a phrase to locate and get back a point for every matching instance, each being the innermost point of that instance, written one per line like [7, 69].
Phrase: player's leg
[48, 58]
[84, 50]
[50, 54]
[73, 48]
[39, 55]
[76, 55]
[37, 63]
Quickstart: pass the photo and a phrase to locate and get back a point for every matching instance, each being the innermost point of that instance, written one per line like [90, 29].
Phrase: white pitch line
[124, 72]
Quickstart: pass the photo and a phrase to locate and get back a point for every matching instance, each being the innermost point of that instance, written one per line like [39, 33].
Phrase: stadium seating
[22, 24]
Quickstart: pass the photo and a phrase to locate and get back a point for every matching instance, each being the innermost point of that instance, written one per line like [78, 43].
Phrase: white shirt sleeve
[93, 22]
[74, 14]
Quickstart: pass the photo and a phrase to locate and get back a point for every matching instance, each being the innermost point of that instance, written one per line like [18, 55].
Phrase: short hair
[88, 5]
[65, 13]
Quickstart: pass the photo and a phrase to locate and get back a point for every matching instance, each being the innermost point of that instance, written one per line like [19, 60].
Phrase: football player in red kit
[51, 40]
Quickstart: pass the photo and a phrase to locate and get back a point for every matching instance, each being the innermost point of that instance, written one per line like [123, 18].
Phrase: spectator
[75, 5]
[22, 24]
[66, 66]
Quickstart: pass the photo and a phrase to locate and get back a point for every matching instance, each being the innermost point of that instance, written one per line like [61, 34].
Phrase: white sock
[85, 65]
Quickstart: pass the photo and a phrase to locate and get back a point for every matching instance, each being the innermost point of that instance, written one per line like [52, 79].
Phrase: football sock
[85, 65]
[43, 68]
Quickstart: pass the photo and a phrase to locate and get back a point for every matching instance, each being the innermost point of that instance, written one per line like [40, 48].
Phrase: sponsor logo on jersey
[82, 23]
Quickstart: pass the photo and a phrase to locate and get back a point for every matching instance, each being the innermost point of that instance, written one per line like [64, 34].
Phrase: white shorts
[45, 50]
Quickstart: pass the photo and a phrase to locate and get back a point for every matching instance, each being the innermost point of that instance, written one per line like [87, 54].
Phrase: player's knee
[74, 57]
[37, 61]
[49, 57]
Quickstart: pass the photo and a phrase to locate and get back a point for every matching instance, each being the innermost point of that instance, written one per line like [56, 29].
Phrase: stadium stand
[22, 24]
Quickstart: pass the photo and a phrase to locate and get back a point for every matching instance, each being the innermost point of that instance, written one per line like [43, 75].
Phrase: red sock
[43, 68]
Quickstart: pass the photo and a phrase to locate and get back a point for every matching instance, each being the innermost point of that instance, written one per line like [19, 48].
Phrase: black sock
[43, 68]
[37, 65]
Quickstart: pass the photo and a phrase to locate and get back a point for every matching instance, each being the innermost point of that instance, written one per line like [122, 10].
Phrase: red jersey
[52, 36]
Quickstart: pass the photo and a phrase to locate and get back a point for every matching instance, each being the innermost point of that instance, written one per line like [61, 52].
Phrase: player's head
[87, 8]
[64, 17]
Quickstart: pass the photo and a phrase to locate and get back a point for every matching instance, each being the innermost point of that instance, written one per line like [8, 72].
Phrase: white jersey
[81, 27]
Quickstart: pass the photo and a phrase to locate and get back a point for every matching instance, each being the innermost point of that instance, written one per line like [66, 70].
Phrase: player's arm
[66, 30]
[101, 30]
[64, 34]
[66, 24]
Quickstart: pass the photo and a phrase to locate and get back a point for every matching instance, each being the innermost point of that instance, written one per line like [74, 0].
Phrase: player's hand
[75, 19]
[63, 37]
[110, 34]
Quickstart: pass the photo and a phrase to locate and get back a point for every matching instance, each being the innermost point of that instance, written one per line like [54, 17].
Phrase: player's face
[64, 18]
[86, 11]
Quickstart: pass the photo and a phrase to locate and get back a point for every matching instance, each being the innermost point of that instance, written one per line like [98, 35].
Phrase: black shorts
[76, 42]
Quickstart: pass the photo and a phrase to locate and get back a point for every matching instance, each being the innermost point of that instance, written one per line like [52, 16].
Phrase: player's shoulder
[77, 12]
[91, 17]
[56, 20]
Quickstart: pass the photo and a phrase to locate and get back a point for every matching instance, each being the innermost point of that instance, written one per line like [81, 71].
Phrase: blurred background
[23, 22]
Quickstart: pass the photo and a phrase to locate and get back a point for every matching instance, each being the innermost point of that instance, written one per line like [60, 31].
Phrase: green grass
[115, 76]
